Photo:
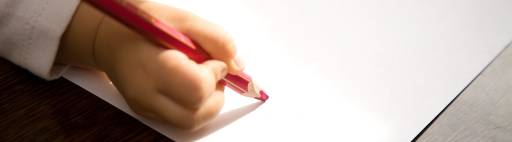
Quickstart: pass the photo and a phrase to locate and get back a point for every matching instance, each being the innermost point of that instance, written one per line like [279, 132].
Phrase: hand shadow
[221, 121]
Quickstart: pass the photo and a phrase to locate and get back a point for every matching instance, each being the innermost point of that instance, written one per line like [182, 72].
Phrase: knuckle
[171, 55]
[139, 111]
[198, 91]
[185, 23]
[197, 118]
[228, 45]
[191, 121]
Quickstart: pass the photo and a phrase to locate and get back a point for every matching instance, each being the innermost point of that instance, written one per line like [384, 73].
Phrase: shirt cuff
[34, 29]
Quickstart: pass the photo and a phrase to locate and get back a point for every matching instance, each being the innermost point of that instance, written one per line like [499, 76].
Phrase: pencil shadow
[220, 122]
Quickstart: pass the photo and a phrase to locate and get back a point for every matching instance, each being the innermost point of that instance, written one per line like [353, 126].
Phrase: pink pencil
[167, 36]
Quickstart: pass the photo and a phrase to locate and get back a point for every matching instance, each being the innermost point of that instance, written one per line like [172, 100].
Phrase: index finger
[214, 40]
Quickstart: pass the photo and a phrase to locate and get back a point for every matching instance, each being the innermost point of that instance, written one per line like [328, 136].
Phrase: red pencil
[167, 36]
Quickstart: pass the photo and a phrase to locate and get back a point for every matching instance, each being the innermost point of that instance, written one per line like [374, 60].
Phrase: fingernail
[239, 63]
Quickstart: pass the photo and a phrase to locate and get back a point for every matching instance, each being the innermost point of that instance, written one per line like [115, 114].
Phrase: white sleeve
[30, 32]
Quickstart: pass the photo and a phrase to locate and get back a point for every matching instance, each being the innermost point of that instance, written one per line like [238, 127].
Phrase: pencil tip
[263, 96]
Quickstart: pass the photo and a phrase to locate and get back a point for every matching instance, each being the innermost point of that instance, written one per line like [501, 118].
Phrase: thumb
[216, 68]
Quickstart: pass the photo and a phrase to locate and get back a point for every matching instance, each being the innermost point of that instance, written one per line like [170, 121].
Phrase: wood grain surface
[32, 109]
[482, 112]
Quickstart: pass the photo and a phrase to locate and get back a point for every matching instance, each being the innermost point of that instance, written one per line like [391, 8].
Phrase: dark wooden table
[482, 112]
[32, 109]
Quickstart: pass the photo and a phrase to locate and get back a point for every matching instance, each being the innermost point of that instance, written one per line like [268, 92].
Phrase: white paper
[341, 70]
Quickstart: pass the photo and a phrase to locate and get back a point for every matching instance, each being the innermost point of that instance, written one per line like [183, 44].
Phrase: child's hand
[157, 83]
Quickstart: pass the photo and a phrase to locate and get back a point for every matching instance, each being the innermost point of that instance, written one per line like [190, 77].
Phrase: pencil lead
[263, 96]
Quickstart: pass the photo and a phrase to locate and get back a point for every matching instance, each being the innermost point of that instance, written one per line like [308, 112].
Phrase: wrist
[78, 41]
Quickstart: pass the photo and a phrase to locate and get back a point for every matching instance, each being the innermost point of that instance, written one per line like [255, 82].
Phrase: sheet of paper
[341, 70]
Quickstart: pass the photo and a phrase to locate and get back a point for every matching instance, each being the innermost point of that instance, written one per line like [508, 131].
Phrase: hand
[157, 83]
